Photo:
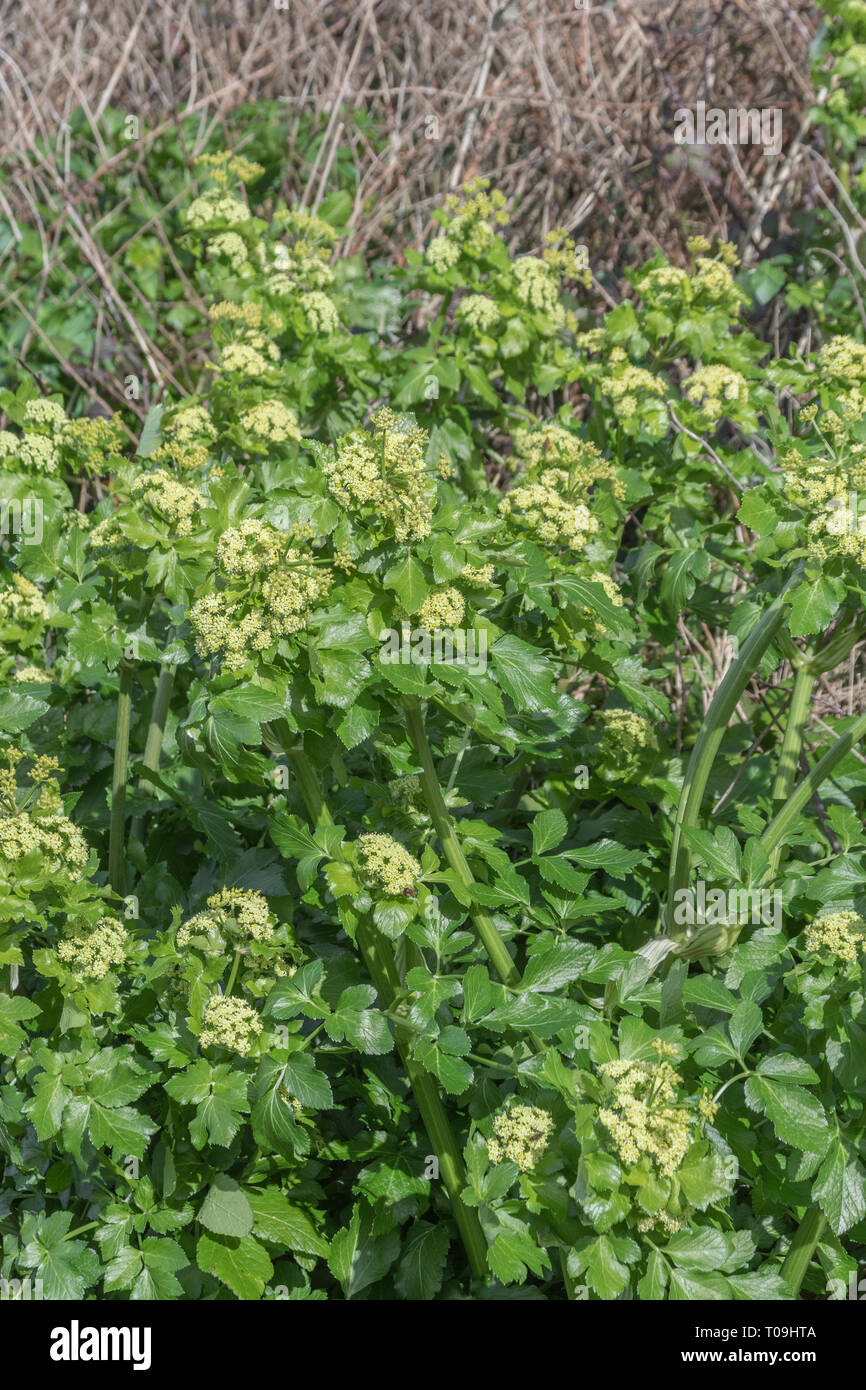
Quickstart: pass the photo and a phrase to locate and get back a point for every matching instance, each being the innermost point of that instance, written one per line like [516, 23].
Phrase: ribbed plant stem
[156, 729]
[379, 960]
[803, 1247]
[380, 963]
[116, 844]
[452, 849]
[792, 743]
[785, 818]
[706, 747]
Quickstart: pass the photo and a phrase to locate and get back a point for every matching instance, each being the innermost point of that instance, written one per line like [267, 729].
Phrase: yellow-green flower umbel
[391, 867]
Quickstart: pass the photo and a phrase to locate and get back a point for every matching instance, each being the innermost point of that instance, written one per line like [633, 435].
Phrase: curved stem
[156, 729]
[803, 1247]
[710, 737]
[452, 849]
[116, 856]
[792, 743]
[784, 819]
[234, 971]
[379, 960]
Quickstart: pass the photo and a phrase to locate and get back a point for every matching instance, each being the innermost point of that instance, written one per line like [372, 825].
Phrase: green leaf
[688, 1285]
[240, 1263]
[589, 594]
[597, 1259]
[607, 855]
[814, 604]
[785, 1067]
[708, 992]
[48, 1103]
[250, 702]
[556, 869]
[549, 828]
[703, 1176]
[514, 1252]
[151, 433]
[760, 1286]
[302, 1079]
[409, 582]
[840, 1188]
[359, 722]
[651, 1288]
[120, 1128]
[283, 1223]
[452, 1071]
[13, 1008]
[19, 711]
[422, 1263]
[66, 1267]
[218, 1115]
[536, 1012]
[720, 850]
[681, 574]
[558, 966]
[273, 1117]
[226, 1210]
[704, 1249]
[744, 1026]
[797, 1117]
[358, 1258]
[524, 674]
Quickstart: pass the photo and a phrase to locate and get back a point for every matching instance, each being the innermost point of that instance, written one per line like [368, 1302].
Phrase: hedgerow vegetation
[431, 809]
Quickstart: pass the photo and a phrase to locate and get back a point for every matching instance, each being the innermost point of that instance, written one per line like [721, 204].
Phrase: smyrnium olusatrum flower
[22, 603]
[173, 501]
[477, 576]
[644, 1116]
[191, 424]
[272, 421]
[216, 206]
[283, 586]
[478, 312]
[243, 906]
[382, 475]
[248, 907]
[388, 863]
[224, 164]
[545, 508]
[35, 674]
[250, 548]
[229, 1022]
[43, 412]
[91, 957]
[443, 607]
[839, 934]
[716, 391]
[521, 1134]
[843, 359]
[537, 287]
[625, 734]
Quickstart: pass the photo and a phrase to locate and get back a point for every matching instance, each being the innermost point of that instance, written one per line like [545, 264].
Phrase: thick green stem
[452, 849]
[116, 844]
[234, 971]
[379, 960]
[803, 1247]
[792, 743]
[156, 729]
[785, 818]
[707, 744]
[310, 789]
